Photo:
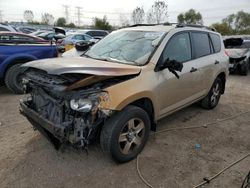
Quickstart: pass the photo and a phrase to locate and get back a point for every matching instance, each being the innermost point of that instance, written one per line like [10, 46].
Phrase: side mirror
[172, 66]
[83, 45]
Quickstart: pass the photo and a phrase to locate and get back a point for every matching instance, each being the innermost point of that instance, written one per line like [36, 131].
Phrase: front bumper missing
[45, 127]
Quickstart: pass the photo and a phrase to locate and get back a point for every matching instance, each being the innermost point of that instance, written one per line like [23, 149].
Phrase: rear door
[173, 92]
[204, 58]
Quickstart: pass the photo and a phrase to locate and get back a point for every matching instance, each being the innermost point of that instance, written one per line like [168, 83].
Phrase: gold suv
[120, 87]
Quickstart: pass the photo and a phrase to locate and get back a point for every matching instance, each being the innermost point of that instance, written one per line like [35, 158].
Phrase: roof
[166, 27]
[22, 34]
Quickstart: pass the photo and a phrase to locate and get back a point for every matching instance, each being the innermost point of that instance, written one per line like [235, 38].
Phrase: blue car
[17, 49]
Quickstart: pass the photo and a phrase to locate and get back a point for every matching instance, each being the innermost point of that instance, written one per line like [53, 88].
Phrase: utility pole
[1, 16]
[66, 11]
[79, 14]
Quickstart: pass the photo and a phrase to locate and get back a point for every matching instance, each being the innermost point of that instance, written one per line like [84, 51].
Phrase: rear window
[216, 42]
[97, 33]
[236, 43]
[201, 44]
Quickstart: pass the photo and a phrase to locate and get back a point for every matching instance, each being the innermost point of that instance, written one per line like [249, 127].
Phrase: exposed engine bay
[67, 107]
[238, 51]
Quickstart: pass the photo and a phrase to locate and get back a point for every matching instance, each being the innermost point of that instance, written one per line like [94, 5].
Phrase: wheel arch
[13, 60]
[147, 105]
[222, 76]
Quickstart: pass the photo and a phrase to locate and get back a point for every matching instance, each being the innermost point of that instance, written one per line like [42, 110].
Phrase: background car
[69, 41]
[5, 27]
[16, 38]
[25, 29]
[238, 51]
[58, 33]
[97, 34]
[36, 33]
[49, 35]
[13, 55]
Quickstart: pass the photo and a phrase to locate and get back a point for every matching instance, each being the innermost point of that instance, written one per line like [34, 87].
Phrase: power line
[1, 16]
[79, 14]
[66, 7]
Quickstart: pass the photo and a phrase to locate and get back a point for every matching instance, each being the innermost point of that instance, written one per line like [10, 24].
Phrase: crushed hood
[82, 65]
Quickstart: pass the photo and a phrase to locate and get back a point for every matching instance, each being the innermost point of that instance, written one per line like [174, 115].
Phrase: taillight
[226, 52]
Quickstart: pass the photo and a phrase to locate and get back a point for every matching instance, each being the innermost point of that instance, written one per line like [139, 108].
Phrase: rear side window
[216, 42]
[201, 44]
[178, 48]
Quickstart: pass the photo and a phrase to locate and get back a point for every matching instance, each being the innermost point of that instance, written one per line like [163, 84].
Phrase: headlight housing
[81, 105]
[89, 103]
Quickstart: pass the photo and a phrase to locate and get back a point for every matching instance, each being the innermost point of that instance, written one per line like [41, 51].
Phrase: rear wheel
[244, 69]
[13, 78]
[125, 134]
[213, 97]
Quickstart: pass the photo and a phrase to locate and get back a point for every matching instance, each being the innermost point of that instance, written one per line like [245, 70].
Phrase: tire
[125, 134]
[213, 97]
[244, 69]
[13, 78]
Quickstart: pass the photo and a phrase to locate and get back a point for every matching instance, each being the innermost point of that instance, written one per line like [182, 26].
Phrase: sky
[211, 10]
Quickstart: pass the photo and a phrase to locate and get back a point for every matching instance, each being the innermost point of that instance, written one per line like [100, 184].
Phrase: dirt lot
[170, 159]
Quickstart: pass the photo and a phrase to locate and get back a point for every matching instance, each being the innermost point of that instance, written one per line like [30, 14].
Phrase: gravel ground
[169, 159]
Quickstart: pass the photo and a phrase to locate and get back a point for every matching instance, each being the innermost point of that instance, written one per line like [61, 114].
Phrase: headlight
[81, 105]
[93, 101]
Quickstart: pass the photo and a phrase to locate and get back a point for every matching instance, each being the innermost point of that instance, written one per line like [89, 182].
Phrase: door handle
[216, 62]
[193, 69]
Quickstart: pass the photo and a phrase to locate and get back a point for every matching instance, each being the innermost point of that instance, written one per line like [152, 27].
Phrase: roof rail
[177, 25]
[196, 26]
[166, 23]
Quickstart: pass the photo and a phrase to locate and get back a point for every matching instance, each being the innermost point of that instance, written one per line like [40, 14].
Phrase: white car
[5, 27]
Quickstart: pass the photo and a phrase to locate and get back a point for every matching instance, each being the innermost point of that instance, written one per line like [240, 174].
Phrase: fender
[8, 61]
[131, 99]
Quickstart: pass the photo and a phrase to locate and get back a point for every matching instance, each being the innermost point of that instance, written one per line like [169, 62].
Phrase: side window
[216, 42]
[201, 44]
[178, 48]
[90, 33]
[78, 37]
[21, 37]
[4, 37]
[87, 37]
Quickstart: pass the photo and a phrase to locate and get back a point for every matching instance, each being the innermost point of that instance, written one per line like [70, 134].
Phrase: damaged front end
[66, 108]
[235, 63]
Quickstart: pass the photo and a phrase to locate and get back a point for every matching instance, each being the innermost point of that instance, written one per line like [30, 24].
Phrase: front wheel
[13, 78]
[213, 97]
[125, 134]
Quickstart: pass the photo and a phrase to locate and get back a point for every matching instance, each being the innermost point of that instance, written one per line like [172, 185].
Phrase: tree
[102, 23]
[234, 24]
[61, 22]
[158, 12]
[223, 28]
[47, 19]
[150, 18]
[28, 15]
[190, 17]
[72, 25]
[124, 20]
[242, 22]
[138, 15]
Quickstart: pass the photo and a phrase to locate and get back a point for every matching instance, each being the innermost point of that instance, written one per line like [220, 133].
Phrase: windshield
[128, 47]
